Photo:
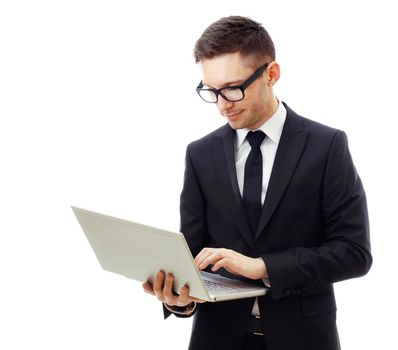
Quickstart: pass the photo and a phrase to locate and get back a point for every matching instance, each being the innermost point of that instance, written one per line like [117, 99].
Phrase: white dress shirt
[273, 130]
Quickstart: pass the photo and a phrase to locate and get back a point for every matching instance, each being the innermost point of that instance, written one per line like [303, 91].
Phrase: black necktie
[253, 180]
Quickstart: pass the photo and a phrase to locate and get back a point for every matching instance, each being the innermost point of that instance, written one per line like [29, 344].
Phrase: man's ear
[272, 73]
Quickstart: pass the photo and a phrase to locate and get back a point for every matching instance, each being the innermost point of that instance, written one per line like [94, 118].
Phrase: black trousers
[254, 342]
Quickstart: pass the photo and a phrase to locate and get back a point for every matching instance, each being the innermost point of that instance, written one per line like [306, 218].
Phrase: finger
[230, 264]
[148, 288]
[168, 294]
[158, 285]
[205, 254]
[219, 264]
[196, 300]
[212, 259]
[213, 256]
[209, 254]
[183, 298]
[186, 299]
[199, 257]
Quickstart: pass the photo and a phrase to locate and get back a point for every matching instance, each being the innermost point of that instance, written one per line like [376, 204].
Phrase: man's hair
[235, 34]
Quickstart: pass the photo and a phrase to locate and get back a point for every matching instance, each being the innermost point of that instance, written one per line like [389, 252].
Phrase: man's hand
[232, 261]
[163, 289]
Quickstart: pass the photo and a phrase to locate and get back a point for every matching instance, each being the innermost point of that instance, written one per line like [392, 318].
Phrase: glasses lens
[208, 95]
[232, 94]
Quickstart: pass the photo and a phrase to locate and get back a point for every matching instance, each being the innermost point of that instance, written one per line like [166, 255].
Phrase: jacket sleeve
[193, 219]
[193, 209]
[179, 312]
[345, 252]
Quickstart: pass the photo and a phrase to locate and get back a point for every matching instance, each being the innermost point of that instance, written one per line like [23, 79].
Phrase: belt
[255, 325]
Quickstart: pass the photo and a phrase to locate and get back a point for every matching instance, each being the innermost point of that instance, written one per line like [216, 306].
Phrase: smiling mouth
[233, 115]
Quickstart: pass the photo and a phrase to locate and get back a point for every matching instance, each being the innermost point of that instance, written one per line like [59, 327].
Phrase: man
[270, 197]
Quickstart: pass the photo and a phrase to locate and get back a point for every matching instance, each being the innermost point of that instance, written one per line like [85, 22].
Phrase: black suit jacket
[313, 232]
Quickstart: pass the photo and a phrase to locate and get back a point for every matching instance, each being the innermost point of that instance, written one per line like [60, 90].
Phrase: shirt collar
[272, 127]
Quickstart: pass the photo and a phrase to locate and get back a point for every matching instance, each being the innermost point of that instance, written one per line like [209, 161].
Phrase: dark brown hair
[235, 34]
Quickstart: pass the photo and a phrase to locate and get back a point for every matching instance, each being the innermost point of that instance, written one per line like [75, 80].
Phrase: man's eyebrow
[228, 83]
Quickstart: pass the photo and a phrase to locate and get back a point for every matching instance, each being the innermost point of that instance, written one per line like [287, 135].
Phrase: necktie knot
[255, 138]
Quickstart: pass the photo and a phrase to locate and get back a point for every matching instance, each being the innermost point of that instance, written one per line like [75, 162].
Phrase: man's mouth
[233, 115]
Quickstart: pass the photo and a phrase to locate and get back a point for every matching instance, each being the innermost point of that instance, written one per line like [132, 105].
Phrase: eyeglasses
[229, 93]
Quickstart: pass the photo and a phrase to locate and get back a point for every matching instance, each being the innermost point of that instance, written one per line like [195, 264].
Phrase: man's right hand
[162, 288]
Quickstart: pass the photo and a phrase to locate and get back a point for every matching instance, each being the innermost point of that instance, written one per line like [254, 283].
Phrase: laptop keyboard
[217, 288]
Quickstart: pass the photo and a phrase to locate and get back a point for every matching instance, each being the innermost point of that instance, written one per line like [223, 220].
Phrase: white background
[97, 105]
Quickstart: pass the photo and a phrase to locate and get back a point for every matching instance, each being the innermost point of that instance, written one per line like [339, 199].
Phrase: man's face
[232, 69]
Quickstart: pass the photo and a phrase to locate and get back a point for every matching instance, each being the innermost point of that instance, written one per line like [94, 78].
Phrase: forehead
[226, 70]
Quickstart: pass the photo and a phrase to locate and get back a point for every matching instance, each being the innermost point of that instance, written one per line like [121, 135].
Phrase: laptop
[138, 252]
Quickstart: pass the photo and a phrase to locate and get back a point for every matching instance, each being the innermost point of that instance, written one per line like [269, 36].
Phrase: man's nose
[223, 104]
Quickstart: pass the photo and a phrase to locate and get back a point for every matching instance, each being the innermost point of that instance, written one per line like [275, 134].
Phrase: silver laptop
[139, 252]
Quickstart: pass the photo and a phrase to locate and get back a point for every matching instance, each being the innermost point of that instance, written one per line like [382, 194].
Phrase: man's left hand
[232, 261]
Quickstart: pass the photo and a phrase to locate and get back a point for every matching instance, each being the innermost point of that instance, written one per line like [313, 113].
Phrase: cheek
[258, 100]
[262, 94]
[254, 106]
[254, 96]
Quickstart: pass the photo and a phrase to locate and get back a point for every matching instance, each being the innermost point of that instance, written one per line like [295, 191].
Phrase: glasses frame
[241, 87]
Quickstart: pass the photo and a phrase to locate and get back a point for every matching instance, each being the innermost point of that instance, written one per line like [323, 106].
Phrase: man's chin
[236, 120]
[235, 125]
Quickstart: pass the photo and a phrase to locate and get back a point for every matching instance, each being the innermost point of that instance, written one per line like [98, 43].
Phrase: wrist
[181, 310]
[262, 269]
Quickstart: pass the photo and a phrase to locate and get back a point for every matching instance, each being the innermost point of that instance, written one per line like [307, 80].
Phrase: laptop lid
[139, 251]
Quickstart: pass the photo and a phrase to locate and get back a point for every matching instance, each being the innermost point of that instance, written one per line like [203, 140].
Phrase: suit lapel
[224, 161]
[290, 149]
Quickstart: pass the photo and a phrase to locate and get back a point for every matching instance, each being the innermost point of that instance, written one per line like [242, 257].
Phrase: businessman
[272, 198]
